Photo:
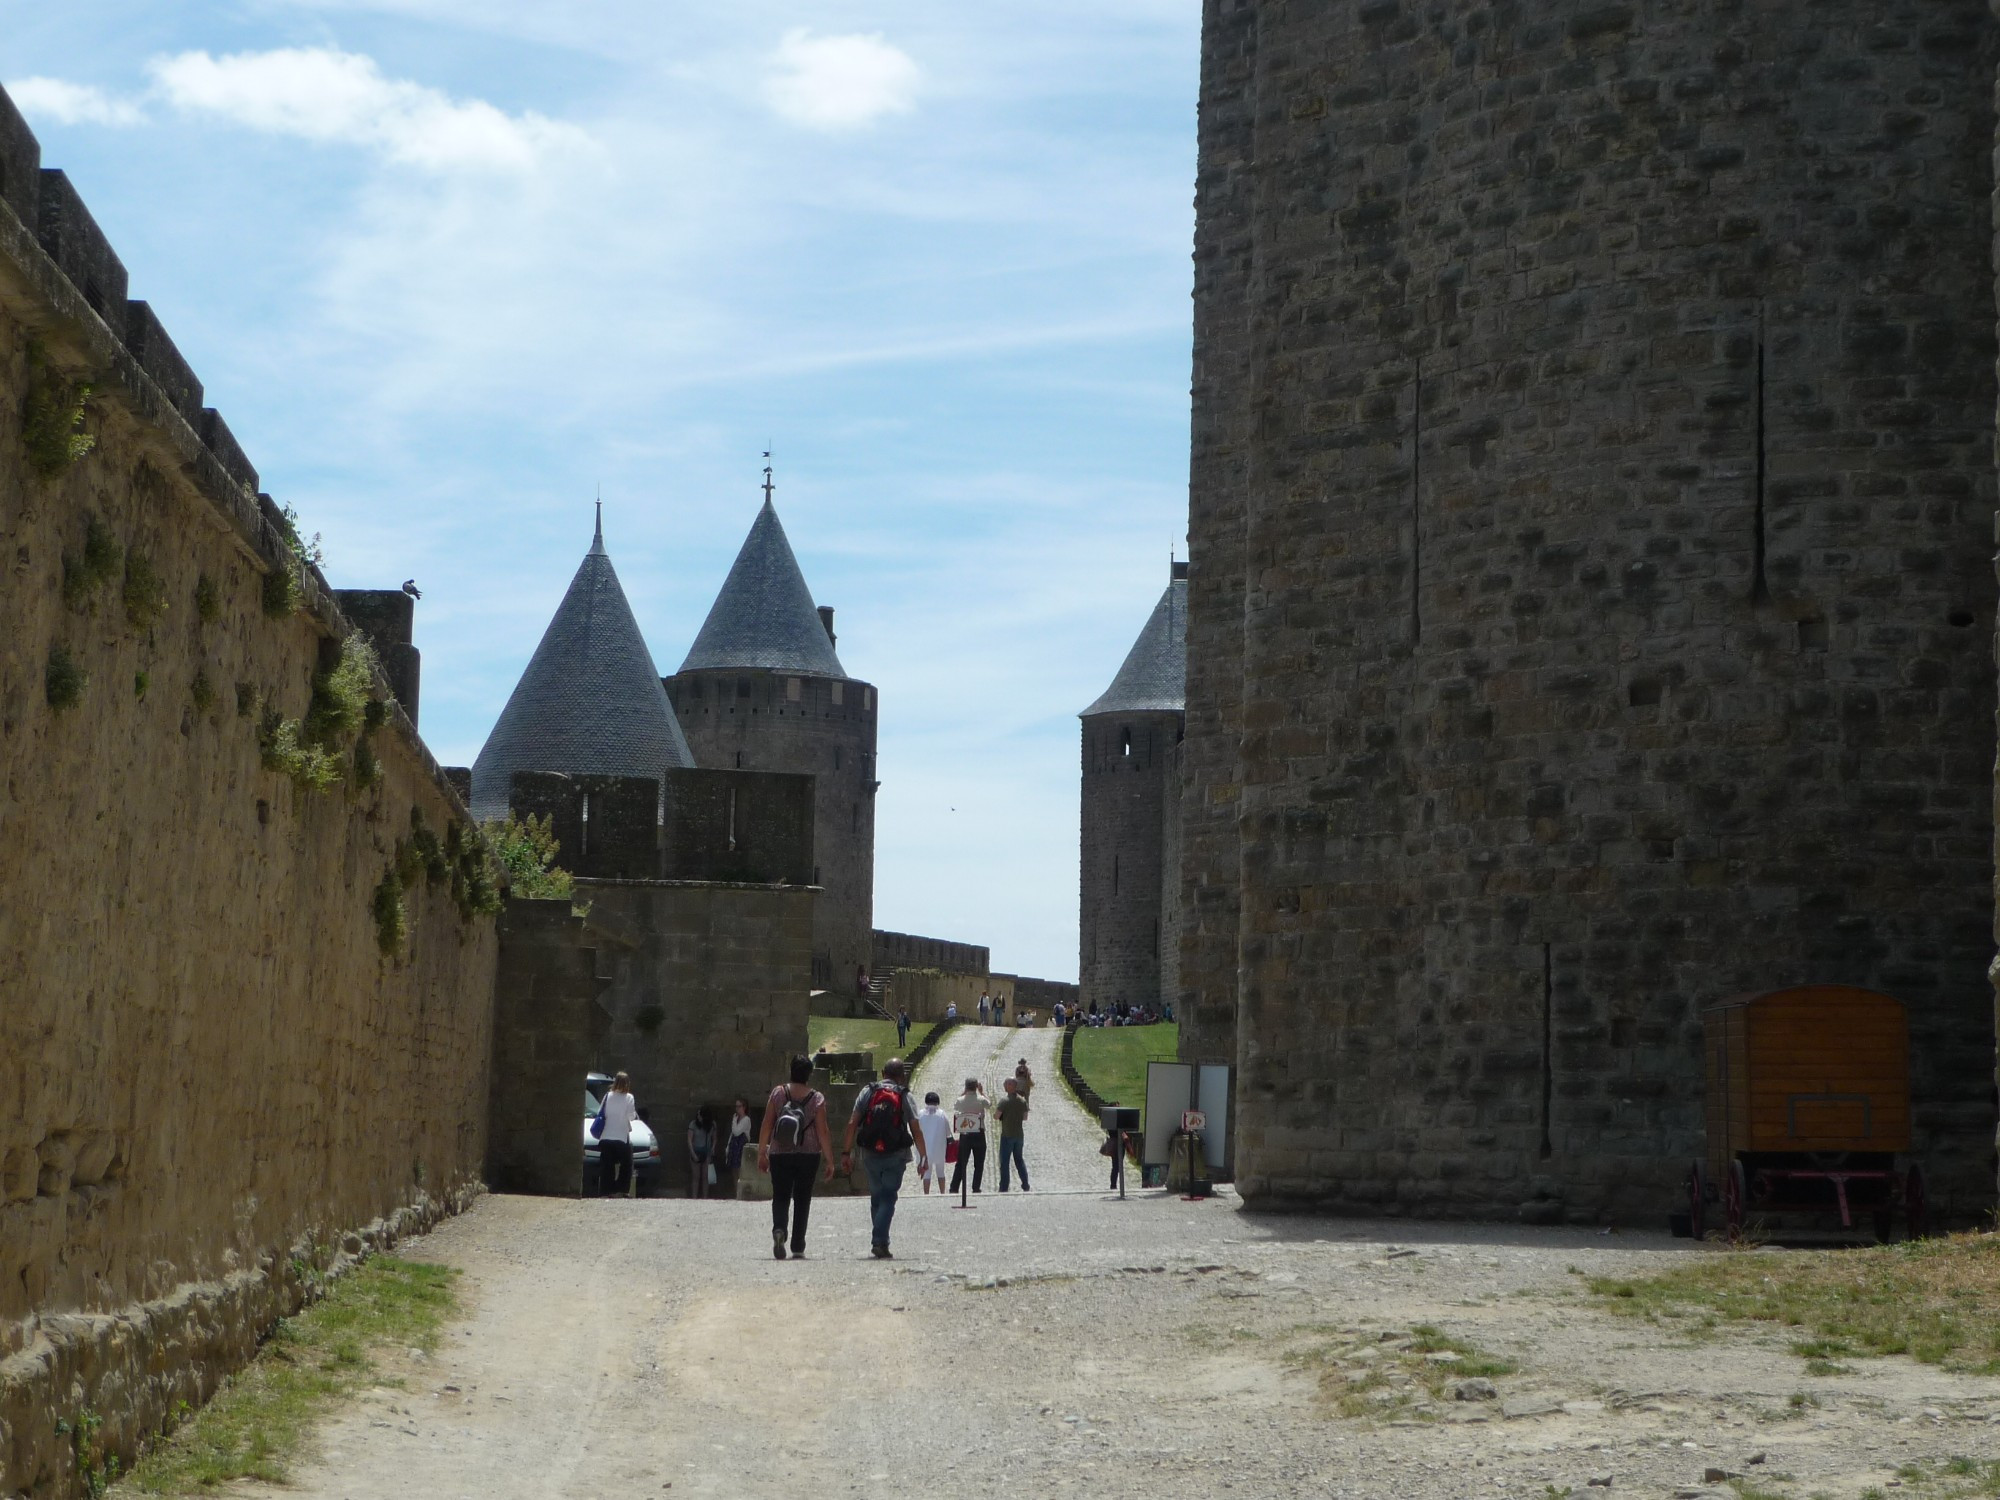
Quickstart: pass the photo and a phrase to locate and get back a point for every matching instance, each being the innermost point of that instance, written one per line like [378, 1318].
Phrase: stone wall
[1598, 404]
[906, 950]
[1218, 468]
[697, 989]
[743, 827]
[811, 726]
[208, 1065]
[1130, 784]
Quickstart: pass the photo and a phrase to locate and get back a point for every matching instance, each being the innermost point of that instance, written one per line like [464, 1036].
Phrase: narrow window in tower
[836, 757]
[1125, 742]
[739, 764]
[583, 834]
[791, 690]
[838, 688]
[1548, 1049]
[1760, 587]
[1416, 505]
[732, 820]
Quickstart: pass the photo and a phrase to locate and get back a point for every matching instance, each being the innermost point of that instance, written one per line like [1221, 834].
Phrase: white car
[645, 1145]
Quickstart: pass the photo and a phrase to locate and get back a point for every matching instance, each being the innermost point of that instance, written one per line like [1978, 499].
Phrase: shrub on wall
[63, 680]
[207, 600]
[84, 575]
[145, 591]
[392, 925]
[52, 419]
[527, 851]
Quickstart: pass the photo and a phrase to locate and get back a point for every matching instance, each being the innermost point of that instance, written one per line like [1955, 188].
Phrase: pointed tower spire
[1154, 676]
[764, 616]
[590, 701]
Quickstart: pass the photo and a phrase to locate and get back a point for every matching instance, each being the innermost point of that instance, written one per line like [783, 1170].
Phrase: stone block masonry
[209, 1067]
[697, 989]
[1592, 481]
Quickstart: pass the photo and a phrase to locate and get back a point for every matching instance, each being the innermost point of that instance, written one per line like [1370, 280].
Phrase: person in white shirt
[936, 1126]
[969, 1120]
[614, 1146]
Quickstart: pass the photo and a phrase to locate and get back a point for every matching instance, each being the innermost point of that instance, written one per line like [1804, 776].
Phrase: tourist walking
[968, 1118]
[985, 1007]
[884, 1122]
[1023, 1079]
[935, 1126]
[790, 1148]
[614, 1141]
[741, 1128]
[702, 1141]
[1013, 1114]
[902, 1025]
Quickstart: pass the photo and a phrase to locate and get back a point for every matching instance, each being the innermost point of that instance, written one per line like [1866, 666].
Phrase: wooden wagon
[1808, 1109]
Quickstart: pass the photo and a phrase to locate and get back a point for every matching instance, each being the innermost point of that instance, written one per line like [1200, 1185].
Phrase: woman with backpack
[789, 1149]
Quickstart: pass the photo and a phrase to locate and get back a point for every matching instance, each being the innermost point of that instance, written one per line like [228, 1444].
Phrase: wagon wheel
[1697, 1185]
[1735, 1192]
[1916, 1209]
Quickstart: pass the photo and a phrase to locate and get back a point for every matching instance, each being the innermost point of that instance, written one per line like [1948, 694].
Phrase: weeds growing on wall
[392, 923]
[97, 1469]
[310, 767]
[85, 575]
[367, 769]
[527, 850]
[142, 680]
[63, 680]
[207, 600]
[475, 884]
[421, 855]
[340, 697]
[308, 750]
[145, 591]
[52, 419]
[307, 554]
[246, 699]
[201, 693]
[283, 593]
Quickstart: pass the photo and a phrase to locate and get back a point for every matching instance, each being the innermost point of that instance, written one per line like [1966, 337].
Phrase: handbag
[950, 1152]
[711, 1174]
[597, 1124]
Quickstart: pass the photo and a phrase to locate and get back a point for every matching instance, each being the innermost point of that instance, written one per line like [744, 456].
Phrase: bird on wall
[410, 588]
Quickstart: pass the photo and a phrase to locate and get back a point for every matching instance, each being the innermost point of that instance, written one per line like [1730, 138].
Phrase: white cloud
[839, 82]
[322, 94]
[65, 103]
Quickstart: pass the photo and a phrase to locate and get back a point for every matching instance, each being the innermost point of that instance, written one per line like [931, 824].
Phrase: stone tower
[590, 701]
[1128, 926]
[1591, 494]
[762, 690]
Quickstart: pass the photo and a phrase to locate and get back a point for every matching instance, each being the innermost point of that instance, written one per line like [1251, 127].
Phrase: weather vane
[768, 486]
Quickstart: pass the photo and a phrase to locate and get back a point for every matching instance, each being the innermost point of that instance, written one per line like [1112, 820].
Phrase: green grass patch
[1958, 1478]
[264, 1418]
[1113, 1059]
[845, 1034]
[1937, 1301]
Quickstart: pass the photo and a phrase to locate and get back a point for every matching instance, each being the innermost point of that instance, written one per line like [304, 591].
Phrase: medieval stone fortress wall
[233, 1035]
[1590, 610]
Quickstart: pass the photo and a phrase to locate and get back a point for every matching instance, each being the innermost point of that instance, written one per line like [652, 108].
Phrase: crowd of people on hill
[1117, 1015]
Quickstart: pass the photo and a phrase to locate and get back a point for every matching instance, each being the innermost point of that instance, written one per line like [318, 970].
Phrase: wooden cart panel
[1819, 1067]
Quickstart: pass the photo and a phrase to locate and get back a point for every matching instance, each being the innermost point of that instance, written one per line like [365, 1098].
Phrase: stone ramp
[1062, 1140]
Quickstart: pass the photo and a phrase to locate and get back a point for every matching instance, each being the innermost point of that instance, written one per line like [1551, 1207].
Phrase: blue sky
[448, 266]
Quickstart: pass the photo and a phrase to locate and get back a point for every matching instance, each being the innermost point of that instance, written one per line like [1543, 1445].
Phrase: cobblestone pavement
[1070, 1344]
[1061, 1141]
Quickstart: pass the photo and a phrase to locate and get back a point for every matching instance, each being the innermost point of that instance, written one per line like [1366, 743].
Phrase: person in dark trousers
[614, 1146]
[968, 1118]
[902, 1026]
[1013, 1114]
[886, 1122]
[790, 1148]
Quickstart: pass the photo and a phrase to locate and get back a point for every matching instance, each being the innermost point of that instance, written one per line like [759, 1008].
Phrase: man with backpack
[884, 1123]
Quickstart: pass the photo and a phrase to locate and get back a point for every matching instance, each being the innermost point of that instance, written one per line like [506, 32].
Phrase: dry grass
[1937, 1301]
[1389, 1373]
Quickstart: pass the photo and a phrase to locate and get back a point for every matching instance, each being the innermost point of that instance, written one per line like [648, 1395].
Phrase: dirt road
[1065, 1344]
[1059, 1141]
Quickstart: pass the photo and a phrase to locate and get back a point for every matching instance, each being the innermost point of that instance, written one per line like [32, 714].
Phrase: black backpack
[794, 1120]
[884, 1125]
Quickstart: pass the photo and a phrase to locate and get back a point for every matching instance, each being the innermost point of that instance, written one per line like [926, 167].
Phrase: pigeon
[410, 588]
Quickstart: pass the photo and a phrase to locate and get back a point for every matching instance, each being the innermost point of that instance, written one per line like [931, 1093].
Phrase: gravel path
[1060, 1142]
[1068, 1344]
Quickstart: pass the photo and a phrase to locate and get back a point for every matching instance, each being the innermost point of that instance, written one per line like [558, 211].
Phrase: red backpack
[884, 1124]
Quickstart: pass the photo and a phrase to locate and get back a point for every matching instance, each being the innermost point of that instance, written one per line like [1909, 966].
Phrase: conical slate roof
[589, 703]
[764, 616]
[1154, 677]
